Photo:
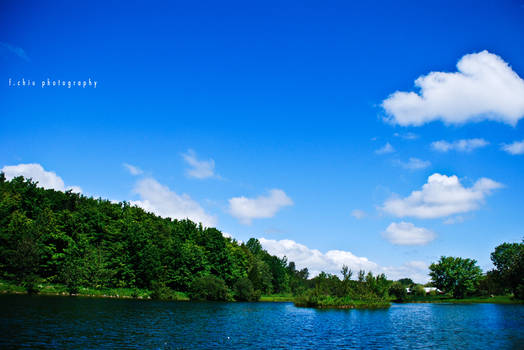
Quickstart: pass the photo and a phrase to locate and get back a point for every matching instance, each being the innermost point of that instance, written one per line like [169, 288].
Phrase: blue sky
[267, 119]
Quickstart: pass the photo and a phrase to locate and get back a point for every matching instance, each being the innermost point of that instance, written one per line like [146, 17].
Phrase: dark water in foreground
[68, 322]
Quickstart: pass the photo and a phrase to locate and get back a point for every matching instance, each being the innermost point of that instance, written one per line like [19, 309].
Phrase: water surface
[74, 322]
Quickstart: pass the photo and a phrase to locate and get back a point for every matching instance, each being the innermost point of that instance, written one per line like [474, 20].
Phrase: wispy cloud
[514, 148]
[358, 214]
[386, 149]
[464, 145]
[18, 51]
[133, 170]
[414, 164]
[200, 169]
[406, 135]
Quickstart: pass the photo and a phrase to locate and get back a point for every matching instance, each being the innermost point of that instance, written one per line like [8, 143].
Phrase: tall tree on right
[508, 259]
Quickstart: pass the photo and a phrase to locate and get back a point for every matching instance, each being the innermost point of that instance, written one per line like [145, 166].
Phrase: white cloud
[314, 260]
[406, 136]
[247, 209]
[133, 170]
[414, 164]
[416, 270]
[386, 149]
[515, 148]
[333, 260]
[159, 199]
[358, 214]
[441, 196]
[465, 145]
[15, 50]
[200, 169]
[484, 88]
[405, 233]
[45, 179]
[454, 220]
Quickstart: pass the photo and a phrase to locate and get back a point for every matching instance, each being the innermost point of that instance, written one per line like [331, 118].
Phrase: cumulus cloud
[333, 260]
[45, 179]
[464, 145]
[133, 170]
[515, 148]
[386, 149]
[441, 196]
[358, 214]
[483, 88]
[416, 270]
[405, 233]
[247, 209]
[159, 199]
[414, 164]
[200, 169]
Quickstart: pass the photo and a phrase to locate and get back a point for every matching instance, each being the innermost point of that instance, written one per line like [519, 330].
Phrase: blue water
[73, 322]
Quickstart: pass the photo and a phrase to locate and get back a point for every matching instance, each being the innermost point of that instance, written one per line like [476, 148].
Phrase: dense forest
[54, 237]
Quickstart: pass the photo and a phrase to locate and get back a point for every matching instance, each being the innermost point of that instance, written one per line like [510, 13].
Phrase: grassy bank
[278, 298]
[330, 302]
[499, 299]
[60, 289]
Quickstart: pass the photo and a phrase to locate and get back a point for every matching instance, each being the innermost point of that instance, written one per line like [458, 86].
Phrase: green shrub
[209, 288]
[244, 291]
[398, 291]
[161, 292]
[418, 291]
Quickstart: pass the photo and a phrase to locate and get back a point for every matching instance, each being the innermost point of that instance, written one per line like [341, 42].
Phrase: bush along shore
[63, 243]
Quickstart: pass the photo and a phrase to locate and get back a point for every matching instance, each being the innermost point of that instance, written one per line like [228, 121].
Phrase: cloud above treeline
[333, 260]
[161, 200]
[405, 233]
[441, 196]
[246, 209]
[34, 171]
[483, 88]
[464, 145]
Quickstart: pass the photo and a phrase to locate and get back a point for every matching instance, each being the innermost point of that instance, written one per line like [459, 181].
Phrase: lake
[75, 322]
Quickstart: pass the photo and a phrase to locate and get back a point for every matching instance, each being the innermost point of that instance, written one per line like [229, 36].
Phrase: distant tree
[508, 259]
[459, 276]
[406, 282]
[418, 290]
[398, 290]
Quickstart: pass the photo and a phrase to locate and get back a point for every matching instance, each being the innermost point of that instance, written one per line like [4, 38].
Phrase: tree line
[49, 236]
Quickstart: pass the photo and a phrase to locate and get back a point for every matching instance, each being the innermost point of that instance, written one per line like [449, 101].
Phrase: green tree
[458, 276]
[243, 290]
[398, 290]
[508, 259]
[209, 288]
